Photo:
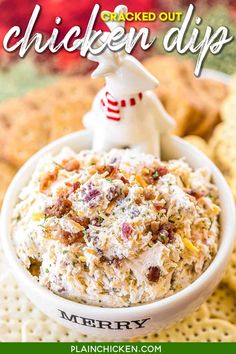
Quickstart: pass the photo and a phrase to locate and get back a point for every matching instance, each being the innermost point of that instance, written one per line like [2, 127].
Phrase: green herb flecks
[211, 223]
[155, 175]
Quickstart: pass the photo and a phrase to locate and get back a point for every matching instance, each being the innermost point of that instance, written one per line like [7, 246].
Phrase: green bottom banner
[126, 347]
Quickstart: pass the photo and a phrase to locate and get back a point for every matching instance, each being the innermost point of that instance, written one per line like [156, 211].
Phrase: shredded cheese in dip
[116, 229]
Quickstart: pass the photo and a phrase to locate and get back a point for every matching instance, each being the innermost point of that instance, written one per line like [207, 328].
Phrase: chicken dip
[116, 229]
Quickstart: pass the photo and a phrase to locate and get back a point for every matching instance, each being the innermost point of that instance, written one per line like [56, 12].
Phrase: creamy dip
[116, 229]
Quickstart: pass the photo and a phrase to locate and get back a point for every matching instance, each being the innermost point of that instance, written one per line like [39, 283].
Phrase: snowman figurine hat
[126, 112]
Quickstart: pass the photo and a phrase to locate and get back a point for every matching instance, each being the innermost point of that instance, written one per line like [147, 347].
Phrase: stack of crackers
[43, 115]
[223, 140]
[221, 148]
[30, 122]
[194, 103]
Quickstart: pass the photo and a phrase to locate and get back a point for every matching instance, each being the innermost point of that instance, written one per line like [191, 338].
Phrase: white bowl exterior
[122, 323]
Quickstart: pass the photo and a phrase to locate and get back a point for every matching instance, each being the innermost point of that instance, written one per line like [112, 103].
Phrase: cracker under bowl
[122, 323]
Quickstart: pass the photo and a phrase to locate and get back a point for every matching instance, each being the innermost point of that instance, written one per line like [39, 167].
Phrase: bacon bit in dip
[157, 206]
[162, 171]
[74, 186]
[34, 268]
[124, 180]
[72, 165]
[60, 208]
[82, 220]
[48, 179]
[111, 170]
[153, 274]
[68, 238]
[163, 233]
[152, 175]
[148, 194]
[97, 221]
[138, 200]
[154, 227]
[196, 194]
[110, 207]
[114, 260]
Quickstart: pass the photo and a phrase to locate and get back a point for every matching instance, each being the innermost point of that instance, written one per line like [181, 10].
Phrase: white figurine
[126, 112]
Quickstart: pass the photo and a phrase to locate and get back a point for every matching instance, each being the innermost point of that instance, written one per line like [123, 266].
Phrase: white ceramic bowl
[122, 323]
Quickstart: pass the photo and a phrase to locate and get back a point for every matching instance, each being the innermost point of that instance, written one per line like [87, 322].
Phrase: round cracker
[192, 102]
[196, 329]
[14, 304]
[175, 333]
[50, 331]
[29, 123]
[10, 331]
[226, 297]
[223, 147]
[20, 320]
[26, 135]
[230, 274]
[228, 108]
